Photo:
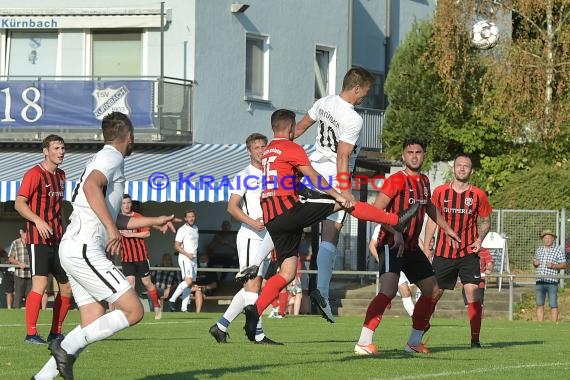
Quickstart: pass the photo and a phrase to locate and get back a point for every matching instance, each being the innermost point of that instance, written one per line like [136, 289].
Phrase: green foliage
[509, 107]
[543, 186]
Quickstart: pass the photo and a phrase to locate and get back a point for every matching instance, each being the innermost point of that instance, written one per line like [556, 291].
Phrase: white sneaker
[368, 349]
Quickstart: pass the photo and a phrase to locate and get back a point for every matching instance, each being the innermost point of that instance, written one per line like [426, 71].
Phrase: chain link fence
[521, 228]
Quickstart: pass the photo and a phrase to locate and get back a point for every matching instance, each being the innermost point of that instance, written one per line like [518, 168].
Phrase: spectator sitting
[205, 282]
[165, 280]
[222, 249]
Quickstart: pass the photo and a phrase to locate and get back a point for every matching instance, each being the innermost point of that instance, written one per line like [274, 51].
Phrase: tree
[508, 107]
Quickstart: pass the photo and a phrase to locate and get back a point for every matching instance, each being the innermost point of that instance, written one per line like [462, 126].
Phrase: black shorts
[414, 264]
[8, 282]
[286, 229]
[45, 261]
[138, 269]
[447, 270]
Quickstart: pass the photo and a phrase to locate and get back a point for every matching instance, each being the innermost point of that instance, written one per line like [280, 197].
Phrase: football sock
[408, 305]
[325, 264]
[365, 336]
[375, 311]
[283, 301]
[234, 309]
[49, 370]
[264, 250]
[179, 289]
[33, 305]
[105, 326]
[422, 312]
[475, 311]
[74, 341]
[270, 292]
[415, 337]
[61, 306]
[366, 211]
[153, 295]
[185, 299]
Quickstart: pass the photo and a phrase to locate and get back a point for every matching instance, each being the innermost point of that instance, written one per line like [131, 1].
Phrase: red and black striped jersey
[134, 248]
[404, 190]
[281, 160]
[461, 211]
[44, 193]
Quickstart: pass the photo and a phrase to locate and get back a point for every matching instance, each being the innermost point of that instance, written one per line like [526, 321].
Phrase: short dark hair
[463, 155]
[190, 211]
[125, 196]
[414, 141]
[357, 76]
[116, 125]
[49, 139]
[253, 137]
[280, 117]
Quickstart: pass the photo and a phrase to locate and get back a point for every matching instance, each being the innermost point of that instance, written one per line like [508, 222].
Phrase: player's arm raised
[303, 125]
[237, 213]
[162, 223]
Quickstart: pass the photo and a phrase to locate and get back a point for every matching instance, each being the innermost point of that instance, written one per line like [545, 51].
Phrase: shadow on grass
[213, 373]
[488, 345]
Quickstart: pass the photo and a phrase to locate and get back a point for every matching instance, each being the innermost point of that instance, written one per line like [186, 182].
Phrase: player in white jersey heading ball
[337, 146]
[244, 206]
[92, 234]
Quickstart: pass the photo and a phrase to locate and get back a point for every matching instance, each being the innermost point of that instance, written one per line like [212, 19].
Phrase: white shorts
[92, 276]
[327, 169]
[188, 267]
[247, 250]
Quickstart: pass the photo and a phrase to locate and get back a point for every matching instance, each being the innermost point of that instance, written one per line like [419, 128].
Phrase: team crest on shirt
[468, 201]
[110, 100]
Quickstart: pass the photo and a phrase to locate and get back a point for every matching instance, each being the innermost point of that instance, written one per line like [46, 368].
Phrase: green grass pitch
[179, 347]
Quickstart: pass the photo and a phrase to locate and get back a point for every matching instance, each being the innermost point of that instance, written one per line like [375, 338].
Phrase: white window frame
[5, 46]
[331, 90]
[264, 97]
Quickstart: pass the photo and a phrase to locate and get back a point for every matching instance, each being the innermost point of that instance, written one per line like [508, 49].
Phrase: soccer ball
[484, 34]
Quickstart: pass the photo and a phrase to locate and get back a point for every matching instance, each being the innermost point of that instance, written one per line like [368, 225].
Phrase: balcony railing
[33, 107]
[372, 128]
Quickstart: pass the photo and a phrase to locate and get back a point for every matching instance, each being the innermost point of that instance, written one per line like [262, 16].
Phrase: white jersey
[336, 121]
[85, 225]
[188, 236]
[248, 185]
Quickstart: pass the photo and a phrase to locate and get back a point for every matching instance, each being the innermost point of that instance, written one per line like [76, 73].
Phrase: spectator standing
[548, 261]
[205, 282]
[18, 255]
[7, 280]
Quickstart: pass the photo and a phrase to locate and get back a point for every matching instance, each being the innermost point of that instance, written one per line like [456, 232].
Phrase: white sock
[235, 308]
[185, 299]
[49, 370]
[105, 326]
[179, 289]
[264, 249]
[408, 305]
[74, 341]
[365, 336]
[418, 294]
[415, 337]
[325, 265]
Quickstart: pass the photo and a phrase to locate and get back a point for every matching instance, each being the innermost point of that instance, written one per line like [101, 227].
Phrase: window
[322, 63]
[116, 53]
[375, 98]
[257, 67]
[32, 54]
